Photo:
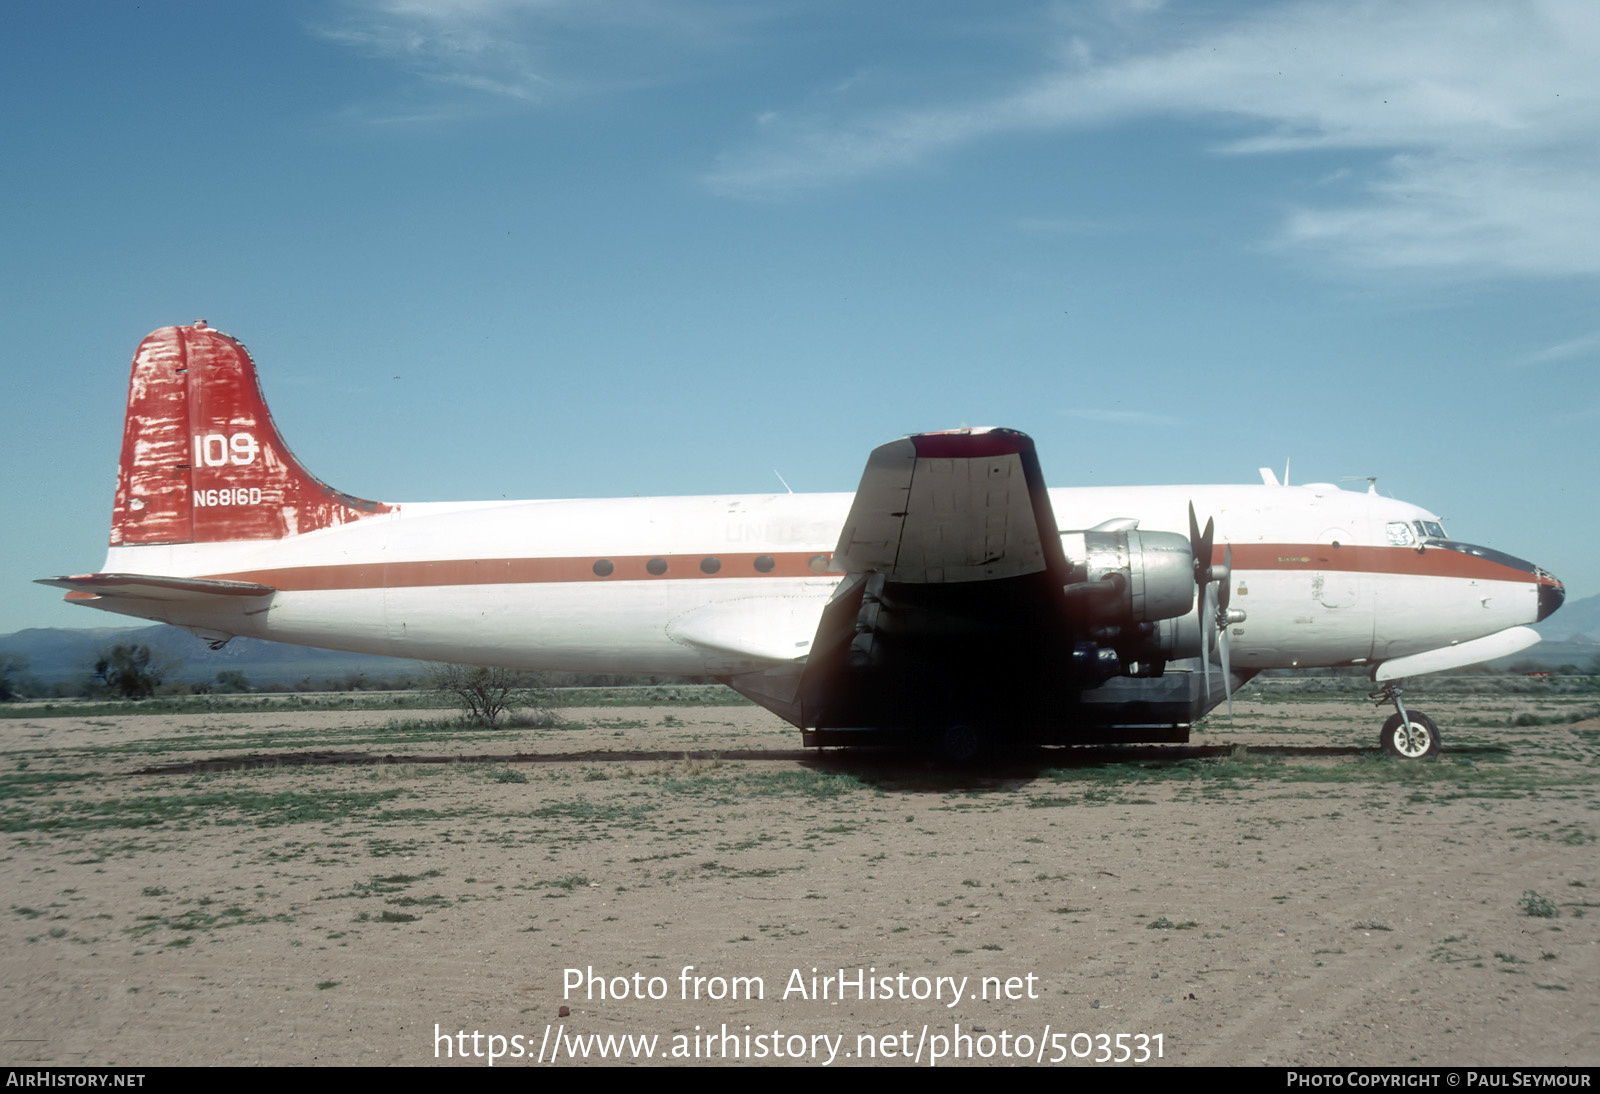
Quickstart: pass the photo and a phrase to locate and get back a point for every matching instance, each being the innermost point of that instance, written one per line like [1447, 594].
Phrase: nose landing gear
[1407, 735]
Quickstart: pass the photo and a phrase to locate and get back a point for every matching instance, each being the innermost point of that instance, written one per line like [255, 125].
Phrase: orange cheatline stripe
[1350, 558]
[1247, 557]
[526, 571]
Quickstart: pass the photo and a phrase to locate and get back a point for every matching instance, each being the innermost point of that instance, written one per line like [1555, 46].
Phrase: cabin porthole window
[603, 567]
[764, 564]
[710, 565]
[656, 566]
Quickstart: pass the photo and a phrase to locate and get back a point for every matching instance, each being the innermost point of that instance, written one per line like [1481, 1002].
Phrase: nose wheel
[1410, 737]
[1406, 735]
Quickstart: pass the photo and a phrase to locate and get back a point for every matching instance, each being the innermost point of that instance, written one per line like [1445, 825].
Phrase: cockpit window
[1429, 529]
[1400, 534]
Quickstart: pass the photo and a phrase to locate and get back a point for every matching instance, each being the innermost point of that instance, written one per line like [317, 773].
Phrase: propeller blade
[1225, 584]
[1200, 546]
[1227, 673]
[1215, 589]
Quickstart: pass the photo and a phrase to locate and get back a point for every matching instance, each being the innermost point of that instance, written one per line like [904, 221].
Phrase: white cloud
[461, 43]
[1119, 417]
[530, 51]
[1484, 115]
[1511, 215]
[1072, 226]
[1587, 345]
[1588, 412]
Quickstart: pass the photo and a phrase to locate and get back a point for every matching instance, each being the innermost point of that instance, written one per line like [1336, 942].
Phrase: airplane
[952, 601]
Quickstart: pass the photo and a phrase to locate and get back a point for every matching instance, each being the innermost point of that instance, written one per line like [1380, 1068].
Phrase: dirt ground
[1278, 895]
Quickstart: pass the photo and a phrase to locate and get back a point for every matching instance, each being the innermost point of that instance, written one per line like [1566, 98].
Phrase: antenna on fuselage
[1371, 481]
[786, 486]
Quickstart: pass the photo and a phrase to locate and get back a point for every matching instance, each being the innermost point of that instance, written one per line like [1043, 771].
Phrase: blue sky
[486, 248]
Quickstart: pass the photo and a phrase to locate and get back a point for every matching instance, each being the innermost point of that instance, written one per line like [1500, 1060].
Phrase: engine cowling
[1129, 576]
[1130, 593]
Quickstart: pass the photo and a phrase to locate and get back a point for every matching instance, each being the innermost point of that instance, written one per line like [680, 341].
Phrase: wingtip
[971, 443]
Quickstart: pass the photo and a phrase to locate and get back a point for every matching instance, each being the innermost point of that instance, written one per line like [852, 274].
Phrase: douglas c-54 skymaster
[952, 599]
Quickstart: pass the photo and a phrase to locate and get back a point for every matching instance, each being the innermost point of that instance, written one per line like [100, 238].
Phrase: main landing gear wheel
[960, 743]
[1413, 737]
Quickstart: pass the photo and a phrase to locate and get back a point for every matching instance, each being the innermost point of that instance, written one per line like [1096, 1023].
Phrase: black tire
[961, 743]
[1421, 743]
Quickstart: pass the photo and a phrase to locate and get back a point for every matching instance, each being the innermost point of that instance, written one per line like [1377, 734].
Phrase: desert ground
[187, 889]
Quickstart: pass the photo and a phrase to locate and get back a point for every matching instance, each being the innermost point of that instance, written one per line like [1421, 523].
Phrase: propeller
[1216, 591]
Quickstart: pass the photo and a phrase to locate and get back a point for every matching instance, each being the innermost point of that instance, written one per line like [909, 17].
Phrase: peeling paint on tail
[202, 461]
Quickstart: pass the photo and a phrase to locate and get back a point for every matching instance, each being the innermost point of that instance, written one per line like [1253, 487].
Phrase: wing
[945, 508]
[964, 605]
[955, 575]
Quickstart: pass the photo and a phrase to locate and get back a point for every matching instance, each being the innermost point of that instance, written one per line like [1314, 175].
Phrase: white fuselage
[726, 585]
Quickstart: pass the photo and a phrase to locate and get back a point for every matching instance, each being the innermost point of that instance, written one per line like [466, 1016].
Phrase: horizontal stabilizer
[1503, 644]
[147, 587]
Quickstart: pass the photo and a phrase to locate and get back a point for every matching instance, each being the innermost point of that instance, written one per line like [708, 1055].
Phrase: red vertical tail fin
[202, 461]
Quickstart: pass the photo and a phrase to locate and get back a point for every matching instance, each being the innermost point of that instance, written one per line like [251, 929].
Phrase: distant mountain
[59, 654]
[1572, 619]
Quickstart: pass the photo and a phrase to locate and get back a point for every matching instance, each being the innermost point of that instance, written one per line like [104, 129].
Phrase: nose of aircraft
[1551, 594]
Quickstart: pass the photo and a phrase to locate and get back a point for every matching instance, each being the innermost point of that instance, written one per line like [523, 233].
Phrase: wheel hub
[1411, 739]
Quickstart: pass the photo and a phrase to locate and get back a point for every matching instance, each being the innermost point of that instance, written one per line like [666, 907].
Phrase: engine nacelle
[1121, 578]
[1132, 594]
